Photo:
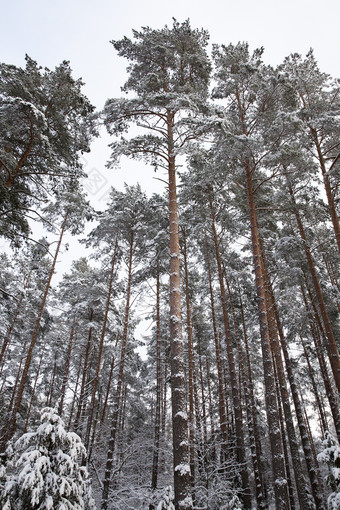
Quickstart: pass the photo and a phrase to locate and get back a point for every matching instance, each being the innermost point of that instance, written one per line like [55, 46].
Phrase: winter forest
[229, 398]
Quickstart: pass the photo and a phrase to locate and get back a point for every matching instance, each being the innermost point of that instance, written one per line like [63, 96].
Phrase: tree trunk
[100, 348]
[191, 367]
[164, 400]
[203, 410]
[154, 477]
[284, 442]
[81, 405]
[280, 486]
[94, 427]
[181, 459]
[275, 329]
[243, 378]
[33, 392]
[327, 185]
[10, 429]
[235, 390]
[66, 371]
[107, 393]
[221, 389]
[322, 415]
[17, 379]
[311, 467]
[75, 391]
[10, 329]
[51, 388]
[331, 346]
[117, 401]
[211, 412]
[317, 330]
[254, 433]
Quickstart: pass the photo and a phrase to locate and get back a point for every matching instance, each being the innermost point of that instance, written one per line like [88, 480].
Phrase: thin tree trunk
[221, 389]
[243, 378]
[154, 477]
[67, 369]
[333, 398]
[100, 348]
[316, 463]
[81, 405]
[50, 391]
[211, 412]
[191, 367]
[17, 379]
[164, 407]
[33, 392]
[204, 411]
[254, 433]
[108, 388]
[275, 329]
[74, 395]
[311, 467]
[10, 427]
[323, 419]
[198, 423]
[10, 329]
[94, 428]
[117, 401]
[284, 442]
[120, 431]
[235, 390]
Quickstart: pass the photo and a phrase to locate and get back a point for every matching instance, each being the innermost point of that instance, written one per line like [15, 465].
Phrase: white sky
[80, 30]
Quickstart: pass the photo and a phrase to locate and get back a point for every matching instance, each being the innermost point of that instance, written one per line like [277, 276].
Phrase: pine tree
[169, 73]
[167, 502]
[313, 98]
[45, 124]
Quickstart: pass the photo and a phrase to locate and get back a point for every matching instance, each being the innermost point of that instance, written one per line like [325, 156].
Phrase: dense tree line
[230, 399]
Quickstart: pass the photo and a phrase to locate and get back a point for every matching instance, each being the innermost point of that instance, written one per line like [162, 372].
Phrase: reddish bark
[181, 459]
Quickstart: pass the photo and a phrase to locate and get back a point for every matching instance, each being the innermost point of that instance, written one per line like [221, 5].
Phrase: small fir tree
[47, 472]
[331, 456]
[167, 501]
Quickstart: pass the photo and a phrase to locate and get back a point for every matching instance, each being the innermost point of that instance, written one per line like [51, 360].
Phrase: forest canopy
[189, 359]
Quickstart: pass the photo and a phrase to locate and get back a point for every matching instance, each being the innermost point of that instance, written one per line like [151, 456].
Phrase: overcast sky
[80, 30]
